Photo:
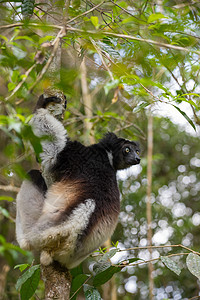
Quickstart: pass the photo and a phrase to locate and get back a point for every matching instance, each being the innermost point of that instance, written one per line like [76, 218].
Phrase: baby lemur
[73, 215]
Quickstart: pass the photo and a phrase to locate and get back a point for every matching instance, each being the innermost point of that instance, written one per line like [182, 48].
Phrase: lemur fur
[70, 217]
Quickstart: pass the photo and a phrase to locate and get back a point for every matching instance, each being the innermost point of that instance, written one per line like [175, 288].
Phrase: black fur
[38, 180]
[90, 166]
[43, 102]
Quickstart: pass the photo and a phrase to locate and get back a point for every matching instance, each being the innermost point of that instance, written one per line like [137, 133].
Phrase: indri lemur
[78, 211]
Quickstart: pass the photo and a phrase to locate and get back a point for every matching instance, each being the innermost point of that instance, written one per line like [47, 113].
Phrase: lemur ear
[109, 141]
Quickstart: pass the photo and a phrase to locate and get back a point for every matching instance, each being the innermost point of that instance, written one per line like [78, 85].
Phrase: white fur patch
[110, 157]
[44, 124]
[29, 204]
[74, 225]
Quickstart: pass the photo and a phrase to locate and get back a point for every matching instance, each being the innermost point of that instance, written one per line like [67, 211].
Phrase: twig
[55, 45]
[162, 246]
[80, 287]
[9, 188]
[101, 57]
[117, 35]
[31, 25]
[126, 11]
[86, 12]
[66, 12]
[147, 261]
[25, 76]
[130, 37]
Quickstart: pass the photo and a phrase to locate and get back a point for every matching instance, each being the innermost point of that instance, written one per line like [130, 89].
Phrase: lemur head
[122, 153]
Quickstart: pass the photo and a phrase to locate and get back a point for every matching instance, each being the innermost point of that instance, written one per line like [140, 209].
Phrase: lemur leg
[29, 204]
[48, 235]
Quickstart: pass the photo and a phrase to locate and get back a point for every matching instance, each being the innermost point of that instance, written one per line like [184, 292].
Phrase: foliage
[139, 56]
[28, 282]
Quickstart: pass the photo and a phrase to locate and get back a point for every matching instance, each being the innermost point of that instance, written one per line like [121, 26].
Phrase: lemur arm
[54, 135]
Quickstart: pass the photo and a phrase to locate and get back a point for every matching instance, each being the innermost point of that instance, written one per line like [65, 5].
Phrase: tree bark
[87, 102]
[57, 281]
[149, 212]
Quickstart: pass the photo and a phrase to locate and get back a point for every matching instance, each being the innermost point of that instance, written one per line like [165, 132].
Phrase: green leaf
[91, 293]
[170, 264]
[193, 264]
[4, 212]
[26, 275]
[77, 282]
[131, 260]
[106, 275]
[185, 116]
[111, 85]
[6, 198]
[29, 287]
[22, 267]
[155, 17]
[101, 266]
[141, 106]
[109, 254]
[95, 21]
[188, 101]
[104, 262]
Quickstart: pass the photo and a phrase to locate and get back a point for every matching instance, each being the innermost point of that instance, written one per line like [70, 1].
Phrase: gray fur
[54, 134]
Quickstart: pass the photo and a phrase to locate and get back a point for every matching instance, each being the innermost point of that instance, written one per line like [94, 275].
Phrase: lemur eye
[127, 149]
[137, 152]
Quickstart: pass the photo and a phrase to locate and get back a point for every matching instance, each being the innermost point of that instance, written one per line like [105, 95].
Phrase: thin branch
[31, 25]
[47, 13]
[101, 57]
[126, 11]
[117, 35]
[80, 287]
[55, 45]
[25, 76]
[66, 12]
[9, 188]
[86, 12]
[162, 246]
[147, 261]
[157, 247]
[130, 37]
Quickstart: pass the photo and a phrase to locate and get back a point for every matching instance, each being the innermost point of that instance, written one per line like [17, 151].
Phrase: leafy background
[141, 58]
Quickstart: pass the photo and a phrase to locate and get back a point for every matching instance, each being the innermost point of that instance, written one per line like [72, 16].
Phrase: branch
[55, 45]
[147, 261]
[130, 37]
[101, 57]
[9, 188]
[57, 281]
[87, 102]
[117, 35]
[21, 82]
[148, 207]
[86, 12]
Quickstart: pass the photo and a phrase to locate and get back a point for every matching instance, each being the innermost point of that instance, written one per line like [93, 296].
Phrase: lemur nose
[137, 158]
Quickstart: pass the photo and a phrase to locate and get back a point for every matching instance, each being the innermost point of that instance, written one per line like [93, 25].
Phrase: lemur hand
[55, 104]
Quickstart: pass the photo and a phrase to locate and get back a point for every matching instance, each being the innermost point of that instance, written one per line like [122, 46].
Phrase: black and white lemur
[70, 217]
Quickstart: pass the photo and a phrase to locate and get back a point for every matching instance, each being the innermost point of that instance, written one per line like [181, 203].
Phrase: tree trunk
[87, 101]
[149, 190]
[57, 281]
